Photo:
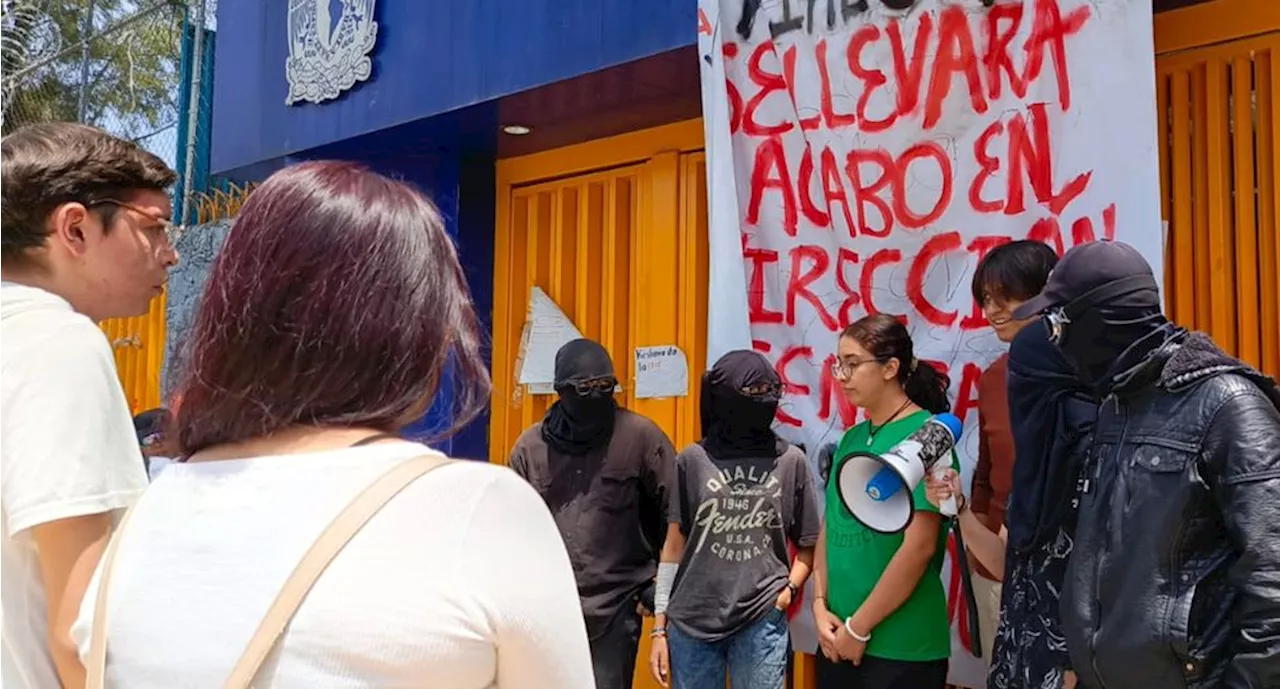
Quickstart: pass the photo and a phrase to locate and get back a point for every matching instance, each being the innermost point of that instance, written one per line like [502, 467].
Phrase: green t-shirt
[857, 556]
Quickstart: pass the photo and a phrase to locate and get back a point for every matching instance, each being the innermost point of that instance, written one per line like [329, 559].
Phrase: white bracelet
[856, 636]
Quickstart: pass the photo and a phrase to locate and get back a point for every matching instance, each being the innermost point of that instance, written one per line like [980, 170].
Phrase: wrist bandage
[662, 592]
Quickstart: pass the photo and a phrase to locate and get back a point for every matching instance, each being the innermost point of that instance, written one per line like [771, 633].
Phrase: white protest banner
[865, 155]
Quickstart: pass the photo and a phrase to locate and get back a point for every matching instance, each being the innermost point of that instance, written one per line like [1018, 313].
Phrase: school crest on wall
[329, 46]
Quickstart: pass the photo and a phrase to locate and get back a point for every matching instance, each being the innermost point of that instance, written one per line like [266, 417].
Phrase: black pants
[878, 673]
[613, 653]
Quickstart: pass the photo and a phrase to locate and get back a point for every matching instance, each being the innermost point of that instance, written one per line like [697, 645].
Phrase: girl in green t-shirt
[880, 608]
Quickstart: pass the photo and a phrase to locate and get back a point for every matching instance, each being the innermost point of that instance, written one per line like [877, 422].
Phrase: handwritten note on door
[661, 371]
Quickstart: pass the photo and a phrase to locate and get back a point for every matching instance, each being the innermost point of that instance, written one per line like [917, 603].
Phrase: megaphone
[876, 488]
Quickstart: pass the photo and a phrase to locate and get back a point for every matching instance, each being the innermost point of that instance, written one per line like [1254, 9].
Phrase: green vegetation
[131, 75]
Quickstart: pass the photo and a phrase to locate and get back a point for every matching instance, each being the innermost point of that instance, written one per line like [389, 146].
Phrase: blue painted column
[463, 189]
[477, 211]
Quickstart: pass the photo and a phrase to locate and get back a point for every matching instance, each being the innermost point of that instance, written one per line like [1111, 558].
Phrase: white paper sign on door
[546, 330]
[661, 371]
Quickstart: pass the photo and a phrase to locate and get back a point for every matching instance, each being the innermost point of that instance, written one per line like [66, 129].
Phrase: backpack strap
[295, 589]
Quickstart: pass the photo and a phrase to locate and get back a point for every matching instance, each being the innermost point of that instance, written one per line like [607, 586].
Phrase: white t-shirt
[67, 449]
[460, 582]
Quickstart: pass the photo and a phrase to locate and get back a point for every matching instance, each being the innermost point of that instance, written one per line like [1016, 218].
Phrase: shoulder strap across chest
[331, 541]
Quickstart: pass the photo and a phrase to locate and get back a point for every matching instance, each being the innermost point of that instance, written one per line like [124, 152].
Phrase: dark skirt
[1030, 651]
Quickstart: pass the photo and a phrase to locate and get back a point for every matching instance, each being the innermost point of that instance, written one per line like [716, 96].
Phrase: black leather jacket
[1175, 577]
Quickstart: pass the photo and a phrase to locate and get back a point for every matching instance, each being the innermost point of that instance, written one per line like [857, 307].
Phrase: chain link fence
[124, 66]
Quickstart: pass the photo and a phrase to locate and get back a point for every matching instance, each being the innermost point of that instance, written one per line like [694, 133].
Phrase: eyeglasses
[172, 232]
[844, 369]
[766, 390]
[587, 387]
[1057, 321]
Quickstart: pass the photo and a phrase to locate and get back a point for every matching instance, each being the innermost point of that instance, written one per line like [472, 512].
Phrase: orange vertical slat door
[614, 232]
[1218, 118]
[138, 345]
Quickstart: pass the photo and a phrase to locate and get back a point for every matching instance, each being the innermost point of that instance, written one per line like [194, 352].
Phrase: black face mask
[590, 407]
[582, 419]
[1109, 330]
[740, 395]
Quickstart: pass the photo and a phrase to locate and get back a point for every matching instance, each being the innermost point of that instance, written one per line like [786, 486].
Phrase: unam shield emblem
[328, 55]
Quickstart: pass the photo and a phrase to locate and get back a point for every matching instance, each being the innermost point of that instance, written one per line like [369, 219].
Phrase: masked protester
[741, 495]
[1175, 576]
[1031, 407]
[604, 473]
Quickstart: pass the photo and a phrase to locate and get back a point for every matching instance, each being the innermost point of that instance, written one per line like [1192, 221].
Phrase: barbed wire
[114, 64]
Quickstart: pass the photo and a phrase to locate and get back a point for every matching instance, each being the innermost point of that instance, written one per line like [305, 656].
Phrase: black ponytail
[887, 338]
[927, 387]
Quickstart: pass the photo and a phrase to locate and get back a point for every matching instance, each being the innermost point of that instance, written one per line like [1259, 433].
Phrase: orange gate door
[138, 344]
[1219, 111]
[614, 231]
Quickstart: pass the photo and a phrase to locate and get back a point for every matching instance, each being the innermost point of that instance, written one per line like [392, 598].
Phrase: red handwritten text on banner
[878, 149]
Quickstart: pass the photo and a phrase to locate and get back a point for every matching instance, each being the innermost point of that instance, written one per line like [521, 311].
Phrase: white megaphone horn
[877, 488]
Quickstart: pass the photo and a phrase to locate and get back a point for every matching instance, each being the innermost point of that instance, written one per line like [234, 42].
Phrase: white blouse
[462, 581]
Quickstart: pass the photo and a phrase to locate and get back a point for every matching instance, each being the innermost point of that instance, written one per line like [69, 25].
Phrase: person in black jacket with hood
[1175, 576]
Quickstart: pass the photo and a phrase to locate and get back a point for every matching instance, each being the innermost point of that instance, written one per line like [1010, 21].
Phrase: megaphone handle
[948, 507]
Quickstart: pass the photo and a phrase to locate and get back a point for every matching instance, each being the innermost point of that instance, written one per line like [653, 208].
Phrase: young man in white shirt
[86, 230]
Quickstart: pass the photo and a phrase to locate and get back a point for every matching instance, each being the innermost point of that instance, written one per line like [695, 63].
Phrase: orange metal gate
[614, 231]
[1219, 112]
[138, 344]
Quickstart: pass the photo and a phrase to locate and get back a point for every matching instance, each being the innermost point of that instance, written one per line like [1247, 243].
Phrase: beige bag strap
[295, 589]
[96, 669]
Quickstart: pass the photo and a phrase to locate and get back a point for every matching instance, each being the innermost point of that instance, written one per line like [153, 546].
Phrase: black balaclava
[1112, 336]
[1101, 305]
[580, 422]
[739, 400]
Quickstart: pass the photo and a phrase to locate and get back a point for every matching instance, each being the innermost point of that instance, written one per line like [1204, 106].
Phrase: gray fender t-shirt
[737, 516]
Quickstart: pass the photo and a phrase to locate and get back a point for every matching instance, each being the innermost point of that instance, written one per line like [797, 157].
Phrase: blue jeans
[754, 657]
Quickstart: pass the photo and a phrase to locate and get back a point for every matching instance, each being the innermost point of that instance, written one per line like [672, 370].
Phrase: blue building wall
[432, 57]
[428, 114]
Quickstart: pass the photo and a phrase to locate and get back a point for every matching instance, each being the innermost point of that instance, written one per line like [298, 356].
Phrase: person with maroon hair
[326, 326]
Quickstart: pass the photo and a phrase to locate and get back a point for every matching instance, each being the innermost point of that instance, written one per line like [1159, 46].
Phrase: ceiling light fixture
[516, 129]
